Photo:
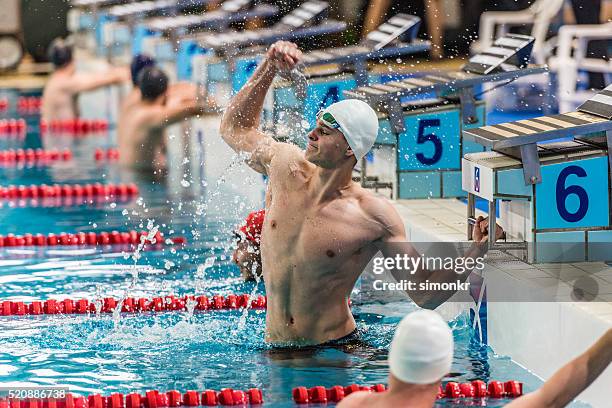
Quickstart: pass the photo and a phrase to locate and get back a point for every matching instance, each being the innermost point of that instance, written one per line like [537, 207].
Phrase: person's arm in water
[240, 122]
[573, 378]
[83, 82]
[393, 242]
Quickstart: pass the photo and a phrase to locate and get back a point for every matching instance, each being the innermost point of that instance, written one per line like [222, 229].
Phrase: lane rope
[38, 156]
[75, 126]
[69, 190]
[132, 305]
[475, 389]
[89, 239]
[13, 127]
[151, 399]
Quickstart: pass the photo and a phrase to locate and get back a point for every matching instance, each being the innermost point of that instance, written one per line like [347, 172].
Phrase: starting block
[120, 28]
[421, 120]
[556, 192]
[231, 57]
[86, 16]
[174, 39]
[308, 92]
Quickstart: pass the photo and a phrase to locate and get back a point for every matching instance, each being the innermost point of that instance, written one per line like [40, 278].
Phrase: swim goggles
[327, 119]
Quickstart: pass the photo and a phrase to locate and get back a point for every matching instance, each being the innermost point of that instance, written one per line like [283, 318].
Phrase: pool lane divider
[13, 157]
[110, 154]
[475, 389]
[28, 104]
[131, 305]
[11, 127]
[69, 190]
[89, 239]
[151, 399]
[74, 127]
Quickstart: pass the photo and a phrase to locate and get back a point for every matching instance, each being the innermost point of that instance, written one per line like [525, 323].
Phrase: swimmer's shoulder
[287, 156]
[381, 210]
[356, 400]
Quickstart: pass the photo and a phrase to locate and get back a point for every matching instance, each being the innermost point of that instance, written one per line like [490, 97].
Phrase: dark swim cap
[139, 62]
[60, 53]
[152, 82]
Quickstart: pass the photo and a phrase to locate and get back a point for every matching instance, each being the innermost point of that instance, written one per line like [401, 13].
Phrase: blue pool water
[209, 350]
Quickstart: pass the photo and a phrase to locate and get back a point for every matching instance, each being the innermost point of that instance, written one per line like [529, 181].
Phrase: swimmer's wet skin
[65, 84]
[321, 229]
[150, 107]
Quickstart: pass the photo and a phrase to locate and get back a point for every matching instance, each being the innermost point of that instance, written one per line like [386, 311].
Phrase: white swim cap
[422, 348]
[358, 123]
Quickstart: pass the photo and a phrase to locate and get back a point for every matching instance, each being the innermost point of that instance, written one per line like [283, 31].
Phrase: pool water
[172, 350]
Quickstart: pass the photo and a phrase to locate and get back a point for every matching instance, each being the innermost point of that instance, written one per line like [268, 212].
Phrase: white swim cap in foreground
[422, 348]
[358, 123]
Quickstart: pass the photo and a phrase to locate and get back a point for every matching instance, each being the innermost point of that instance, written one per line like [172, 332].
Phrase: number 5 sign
[430, 142]
[573, 194]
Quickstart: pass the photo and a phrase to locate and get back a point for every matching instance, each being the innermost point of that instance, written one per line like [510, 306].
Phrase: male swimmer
[421, 355]
[247, 254]
[139, 62]
[142, 120]
[59, 99]
[321, 229]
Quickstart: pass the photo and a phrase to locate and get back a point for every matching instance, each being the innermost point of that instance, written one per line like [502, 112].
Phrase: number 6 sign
[573, 194]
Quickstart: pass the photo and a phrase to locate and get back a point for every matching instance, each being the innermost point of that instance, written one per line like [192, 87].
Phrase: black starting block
[302, 97]
[310, 19]
[144, 9]
[425, 133]
[236, 52]
[231, 11]
[395, 38]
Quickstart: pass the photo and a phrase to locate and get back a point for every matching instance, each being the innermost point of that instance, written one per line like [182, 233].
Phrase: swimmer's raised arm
[240, 122]
[393, 242]
[571, 379]
[83, 82]
[178, 110]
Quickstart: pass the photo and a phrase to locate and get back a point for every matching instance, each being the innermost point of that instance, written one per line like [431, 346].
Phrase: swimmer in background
[247, 254]
[421, 355]
[143, 118]
[59, 99]
[133, 98]
[321, 229]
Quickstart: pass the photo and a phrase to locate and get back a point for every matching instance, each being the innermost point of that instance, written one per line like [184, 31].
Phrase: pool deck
[541, 336]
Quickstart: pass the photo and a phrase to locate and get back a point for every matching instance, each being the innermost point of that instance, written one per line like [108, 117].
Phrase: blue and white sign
[573, 194]
[477, 179]
[431, 141]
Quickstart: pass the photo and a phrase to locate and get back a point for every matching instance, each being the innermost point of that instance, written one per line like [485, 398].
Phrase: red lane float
[38, 156]
[74, 126]
[29, 104]
[475, 389]
[69, 190]
[131, 305]
[110, 154]
[151, 399]
[479, 389]
[4, 104]
[321, 395]
[13, 127]
[89, 239]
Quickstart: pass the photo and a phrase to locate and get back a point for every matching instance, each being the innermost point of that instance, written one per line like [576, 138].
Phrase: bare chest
[321, 236]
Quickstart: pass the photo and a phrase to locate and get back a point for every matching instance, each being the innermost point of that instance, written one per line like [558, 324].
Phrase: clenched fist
[284, 55]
